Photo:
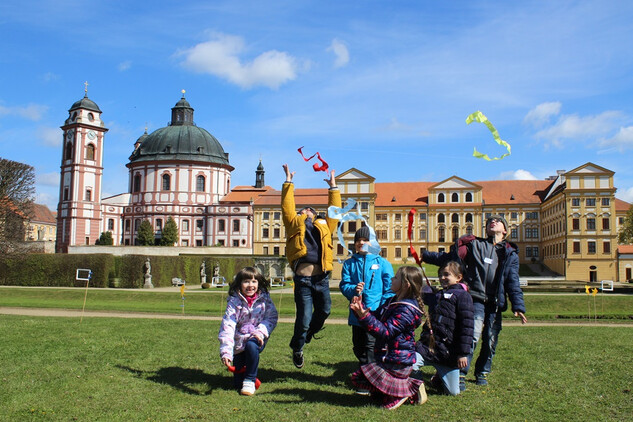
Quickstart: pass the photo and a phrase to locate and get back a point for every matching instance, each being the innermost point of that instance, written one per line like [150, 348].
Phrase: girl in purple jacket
[249, 319]
[393, 326]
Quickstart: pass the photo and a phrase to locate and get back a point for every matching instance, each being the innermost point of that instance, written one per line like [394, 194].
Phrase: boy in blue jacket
[369, 276]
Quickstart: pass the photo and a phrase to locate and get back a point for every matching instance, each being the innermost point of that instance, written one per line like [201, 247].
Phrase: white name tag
[375, 267]
[488, 260]
[448, 295]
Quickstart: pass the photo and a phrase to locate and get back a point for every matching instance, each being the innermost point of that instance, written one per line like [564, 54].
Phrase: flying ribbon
[478, 116]
[323, 167]
[414, 254]
[345, 214]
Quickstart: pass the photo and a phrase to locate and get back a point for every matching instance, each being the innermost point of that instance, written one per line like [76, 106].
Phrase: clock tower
[79, 209]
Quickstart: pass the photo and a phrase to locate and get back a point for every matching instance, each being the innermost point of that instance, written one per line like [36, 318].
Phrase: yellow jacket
[296, 228]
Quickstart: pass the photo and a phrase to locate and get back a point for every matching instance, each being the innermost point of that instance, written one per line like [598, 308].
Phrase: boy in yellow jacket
[309, 251]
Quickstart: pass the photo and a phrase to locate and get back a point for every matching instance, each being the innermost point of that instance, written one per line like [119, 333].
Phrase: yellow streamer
[479, 117]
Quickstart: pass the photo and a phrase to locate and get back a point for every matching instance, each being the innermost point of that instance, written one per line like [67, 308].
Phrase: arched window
[454, 197]
[440, 197]
[469, 217]
[469, 229]
[200, 184]
[455, 218]
[166, 182]
[90, 152]
[137, 183]
[440, 234]
[69, 150]
[440, 218]
[469, 197]
[455, 233]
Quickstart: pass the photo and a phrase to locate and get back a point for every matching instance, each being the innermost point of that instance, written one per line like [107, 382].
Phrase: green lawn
[213, 302]
[169, 370]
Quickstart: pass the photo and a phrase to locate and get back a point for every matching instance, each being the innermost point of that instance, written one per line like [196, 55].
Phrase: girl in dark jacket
[451, 311]
[393, 327]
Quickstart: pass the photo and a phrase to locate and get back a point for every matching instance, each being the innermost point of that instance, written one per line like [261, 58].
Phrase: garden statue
[148, 275]
[203, 272]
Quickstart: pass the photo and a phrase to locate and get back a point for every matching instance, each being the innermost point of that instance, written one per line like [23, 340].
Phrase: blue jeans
[448, 375]
[487, 328]
[310, 292]
[249, 358]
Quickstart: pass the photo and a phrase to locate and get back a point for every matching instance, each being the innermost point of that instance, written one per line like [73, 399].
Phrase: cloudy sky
[381, 86]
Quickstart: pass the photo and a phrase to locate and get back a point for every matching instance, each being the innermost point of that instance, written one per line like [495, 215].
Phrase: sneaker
[481, 379]
[311, 334]
[392, 403]
[248, 388]
[362, 392]
[420, 397]
[297, 359]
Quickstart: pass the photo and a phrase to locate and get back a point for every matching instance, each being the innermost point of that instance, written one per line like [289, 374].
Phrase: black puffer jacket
[452, 321]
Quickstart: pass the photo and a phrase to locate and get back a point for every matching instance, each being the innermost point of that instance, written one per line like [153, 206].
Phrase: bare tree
[17, 190]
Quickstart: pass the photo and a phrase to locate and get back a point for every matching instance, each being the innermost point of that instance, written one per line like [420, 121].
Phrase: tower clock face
[92, 135]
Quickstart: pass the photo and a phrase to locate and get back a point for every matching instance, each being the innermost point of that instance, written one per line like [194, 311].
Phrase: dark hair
[454, 267]
[248, 273]
[414, 278]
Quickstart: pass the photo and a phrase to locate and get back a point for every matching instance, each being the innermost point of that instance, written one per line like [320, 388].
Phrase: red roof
[621, 205]
[245, 194]
[42, 214]
[625, 249]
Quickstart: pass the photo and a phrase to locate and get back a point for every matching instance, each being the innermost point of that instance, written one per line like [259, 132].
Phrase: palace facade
[567, 223]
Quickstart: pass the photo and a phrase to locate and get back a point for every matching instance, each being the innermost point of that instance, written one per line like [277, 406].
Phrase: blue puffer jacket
[452, 321]
[394, 329]
[486, 287]
[376, 272]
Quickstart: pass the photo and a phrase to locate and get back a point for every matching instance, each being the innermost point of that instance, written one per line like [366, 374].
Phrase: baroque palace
[568, 223]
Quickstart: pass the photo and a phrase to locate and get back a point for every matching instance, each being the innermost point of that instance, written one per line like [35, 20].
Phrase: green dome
[85, 103]
[189, 143]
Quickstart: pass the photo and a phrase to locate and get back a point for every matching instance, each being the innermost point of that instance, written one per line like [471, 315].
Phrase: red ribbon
[414, 254]
[242, 370]
[323, 167]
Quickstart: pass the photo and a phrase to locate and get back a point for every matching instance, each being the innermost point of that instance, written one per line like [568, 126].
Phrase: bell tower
[259, 176]
[79, 208]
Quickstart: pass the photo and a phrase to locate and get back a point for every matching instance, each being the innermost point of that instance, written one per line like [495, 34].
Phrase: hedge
[127, 271]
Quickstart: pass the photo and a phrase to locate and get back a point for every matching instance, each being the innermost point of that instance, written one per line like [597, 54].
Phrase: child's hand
[359, 288]
[289, 175]
[227, 362]
[357, 307]
[332, 180]
[259, 338]
[462, 362]
[522, 316]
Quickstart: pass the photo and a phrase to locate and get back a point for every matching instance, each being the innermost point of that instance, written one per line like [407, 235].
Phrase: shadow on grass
[339, 377]
[184, 379]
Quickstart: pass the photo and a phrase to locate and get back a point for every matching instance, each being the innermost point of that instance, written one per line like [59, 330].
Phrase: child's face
[249, 286]
[358, 245]
[447, 278]
[397, 284]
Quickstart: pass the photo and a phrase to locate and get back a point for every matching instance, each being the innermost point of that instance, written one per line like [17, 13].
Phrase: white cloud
[220, 57]
[49, 76]
[123, 66]
[541, 114]
[579, 128]
[340, 51]
[50, 136]
[625, 194]
[32, 112]
[47, 199]
[519, 174]
[48, 179]
[622, 140]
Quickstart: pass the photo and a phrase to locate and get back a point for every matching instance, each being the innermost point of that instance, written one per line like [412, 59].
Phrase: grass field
[213, 302]
[169, 370]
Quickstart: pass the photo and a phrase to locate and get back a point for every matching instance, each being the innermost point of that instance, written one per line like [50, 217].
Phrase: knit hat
[308, 208]
[497, 217]
[362, 233]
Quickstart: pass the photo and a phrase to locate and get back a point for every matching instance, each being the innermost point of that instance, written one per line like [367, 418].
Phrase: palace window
[110, 224]
[236, 225]
[606, 247]
[265, 233]
[575, 202]
[440, 218]
[221, 225]
[422, 216]
[605, 202]
[137, 183]
[469, 197]
[576, 246]
[591, 247]
[200, 184]
[469, 217]
[591, 223]
[455, 233]
[90, 152]
[276, 232]
[455, 218]
[575, 223]
[166, 182]
[440, 197]
[185, 225]
[605, 223]
[590, 202]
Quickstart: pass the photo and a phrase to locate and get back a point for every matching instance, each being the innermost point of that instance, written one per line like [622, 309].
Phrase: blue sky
[381, 86]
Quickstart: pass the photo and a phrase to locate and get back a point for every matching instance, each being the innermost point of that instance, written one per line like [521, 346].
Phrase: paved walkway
[76, 313]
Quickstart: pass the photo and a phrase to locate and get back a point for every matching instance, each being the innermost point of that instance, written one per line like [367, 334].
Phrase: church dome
[182, 140]
[85, 103]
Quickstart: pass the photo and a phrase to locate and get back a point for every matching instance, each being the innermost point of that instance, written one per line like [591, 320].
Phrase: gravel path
[76, 313]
